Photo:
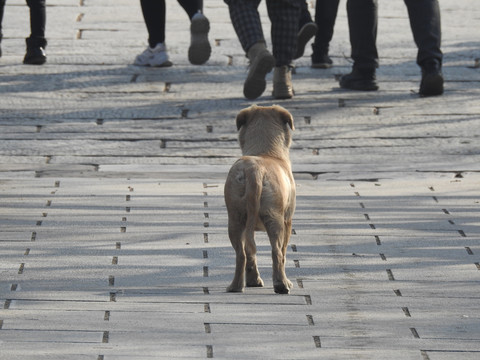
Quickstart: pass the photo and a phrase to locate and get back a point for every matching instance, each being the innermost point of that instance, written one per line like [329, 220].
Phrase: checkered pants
[284, 16]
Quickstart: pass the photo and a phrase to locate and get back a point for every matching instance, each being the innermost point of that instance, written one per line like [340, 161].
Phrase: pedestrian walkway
[113, 228]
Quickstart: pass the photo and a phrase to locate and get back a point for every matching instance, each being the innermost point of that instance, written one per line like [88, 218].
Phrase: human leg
[37, 42]
[424, 18]
[325, 16]
[362, 22]
[154, 15]
[38, 18]
[425, 23]
[200, 49]
[307, 29]
[248, 27]
[246, 22]
[2, 7]
[191, 7]
[284, 16]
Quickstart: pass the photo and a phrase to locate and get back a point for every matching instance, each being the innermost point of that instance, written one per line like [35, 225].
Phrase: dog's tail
[253, 188]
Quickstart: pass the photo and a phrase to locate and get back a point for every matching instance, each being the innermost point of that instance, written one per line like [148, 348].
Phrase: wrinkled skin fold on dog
[260, 194]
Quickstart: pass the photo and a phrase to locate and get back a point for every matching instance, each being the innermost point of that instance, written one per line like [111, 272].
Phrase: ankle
[256, 49]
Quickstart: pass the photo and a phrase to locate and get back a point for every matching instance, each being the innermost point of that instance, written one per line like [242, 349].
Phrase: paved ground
[113, 240]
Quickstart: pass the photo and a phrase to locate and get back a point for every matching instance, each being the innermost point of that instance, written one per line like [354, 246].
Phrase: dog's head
[265, 130]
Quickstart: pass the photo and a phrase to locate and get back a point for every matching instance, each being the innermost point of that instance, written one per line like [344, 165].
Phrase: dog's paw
[234, 288]
[281, 289]
[258, 282]
[289, 283]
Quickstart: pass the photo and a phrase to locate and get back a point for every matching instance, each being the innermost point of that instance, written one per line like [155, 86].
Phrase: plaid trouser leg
[246, 21]
[284, 15]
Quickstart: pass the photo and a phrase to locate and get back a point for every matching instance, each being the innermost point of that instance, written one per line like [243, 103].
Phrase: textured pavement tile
[113, 227]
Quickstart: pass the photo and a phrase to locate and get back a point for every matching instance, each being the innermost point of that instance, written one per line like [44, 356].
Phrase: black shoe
[35, 56]
[432, 79]
[321, 60]
[360, 79]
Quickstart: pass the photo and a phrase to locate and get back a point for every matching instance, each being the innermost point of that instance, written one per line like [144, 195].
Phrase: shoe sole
[282, 94]
[321, 66]
[167, 63]
[200, 49]
[432, 85]
[307, 32]
[358, 86]
[255, 83]
[35, 61]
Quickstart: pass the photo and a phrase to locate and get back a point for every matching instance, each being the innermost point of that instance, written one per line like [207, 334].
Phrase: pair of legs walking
[424, 18]
[322, 29]
[37, 42]
[154, 14]
[284, 16]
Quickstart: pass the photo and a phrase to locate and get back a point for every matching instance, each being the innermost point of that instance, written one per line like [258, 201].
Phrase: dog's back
[255, 185]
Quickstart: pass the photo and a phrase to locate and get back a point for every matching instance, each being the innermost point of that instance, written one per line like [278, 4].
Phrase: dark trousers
[2, 7]
[424, 18]
[325, 16]
[38, 19]
[154, 14]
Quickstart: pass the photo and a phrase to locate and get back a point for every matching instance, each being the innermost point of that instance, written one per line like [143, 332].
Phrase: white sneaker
[153, 57]
[199, 51]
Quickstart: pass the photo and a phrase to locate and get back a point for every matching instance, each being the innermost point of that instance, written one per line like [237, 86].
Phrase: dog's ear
[242, 118]
[286, 116]
[289, 120]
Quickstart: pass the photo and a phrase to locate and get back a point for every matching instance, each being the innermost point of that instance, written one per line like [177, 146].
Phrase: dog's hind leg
[237, 238]
[287, 234]
[276, 233]
[252, 273]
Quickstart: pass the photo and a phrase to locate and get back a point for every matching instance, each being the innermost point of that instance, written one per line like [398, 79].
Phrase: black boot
[432, 78]
[321, 60]
[360, 79]
[35, 52]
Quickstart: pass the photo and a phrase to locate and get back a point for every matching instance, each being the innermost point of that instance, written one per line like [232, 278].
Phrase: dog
[260, 194]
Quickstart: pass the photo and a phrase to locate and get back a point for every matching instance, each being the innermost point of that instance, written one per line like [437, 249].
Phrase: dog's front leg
[287, 234]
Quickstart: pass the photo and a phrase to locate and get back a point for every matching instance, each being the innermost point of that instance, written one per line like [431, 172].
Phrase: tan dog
[260, 194]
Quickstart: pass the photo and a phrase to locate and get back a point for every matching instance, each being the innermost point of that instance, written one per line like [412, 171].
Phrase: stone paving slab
[113, 228]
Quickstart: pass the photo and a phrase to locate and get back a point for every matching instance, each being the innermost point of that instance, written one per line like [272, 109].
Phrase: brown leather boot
[282, 82]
